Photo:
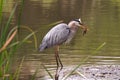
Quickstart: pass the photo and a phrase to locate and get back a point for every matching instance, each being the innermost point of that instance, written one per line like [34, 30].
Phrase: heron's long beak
[85, 29]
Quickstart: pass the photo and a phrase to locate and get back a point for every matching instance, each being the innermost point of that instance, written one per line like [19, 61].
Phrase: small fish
[85, 31]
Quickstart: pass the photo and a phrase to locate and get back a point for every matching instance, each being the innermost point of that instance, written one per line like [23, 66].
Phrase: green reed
[9, 43]
[5, 56]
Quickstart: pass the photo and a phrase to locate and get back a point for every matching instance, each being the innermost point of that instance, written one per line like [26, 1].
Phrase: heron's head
[74, 24]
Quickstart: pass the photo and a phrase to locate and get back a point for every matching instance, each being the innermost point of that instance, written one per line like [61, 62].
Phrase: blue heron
[61, 33]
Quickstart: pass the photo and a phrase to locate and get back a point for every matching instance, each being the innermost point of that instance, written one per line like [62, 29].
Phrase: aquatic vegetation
[9, 44]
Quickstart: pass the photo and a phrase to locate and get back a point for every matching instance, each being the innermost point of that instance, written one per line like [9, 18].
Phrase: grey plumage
[56, 36]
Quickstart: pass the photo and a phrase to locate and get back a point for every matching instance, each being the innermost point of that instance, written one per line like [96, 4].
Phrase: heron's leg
[59, 57]
[57, 61]
[56, 57]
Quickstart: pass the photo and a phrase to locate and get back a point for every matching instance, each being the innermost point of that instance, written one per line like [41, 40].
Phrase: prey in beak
[82, 26]
[85, 29]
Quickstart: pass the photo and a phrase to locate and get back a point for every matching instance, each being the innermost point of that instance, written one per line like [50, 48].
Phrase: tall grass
[5, 56]
[9, 43]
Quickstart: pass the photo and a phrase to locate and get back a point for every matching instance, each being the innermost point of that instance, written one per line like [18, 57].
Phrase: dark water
[102, 18]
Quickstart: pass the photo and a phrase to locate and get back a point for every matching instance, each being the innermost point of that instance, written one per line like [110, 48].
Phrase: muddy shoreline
[93, 72]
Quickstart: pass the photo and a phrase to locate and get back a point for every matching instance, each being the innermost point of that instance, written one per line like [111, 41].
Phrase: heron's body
[59, 34]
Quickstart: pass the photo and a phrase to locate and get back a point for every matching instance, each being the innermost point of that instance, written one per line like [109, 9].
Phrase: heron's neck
[72, 26]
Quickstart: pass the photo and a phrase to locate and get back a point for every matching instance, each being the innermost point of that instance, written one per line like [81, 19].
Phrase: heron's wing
[56, 36]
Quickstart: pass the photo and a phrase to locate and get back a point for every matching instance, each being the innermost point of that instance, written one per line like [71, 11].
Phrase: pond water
[102, 18]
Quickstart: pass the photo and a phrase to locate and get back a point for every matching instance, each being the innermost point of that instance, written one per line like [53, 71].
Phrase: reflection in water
[102, 17]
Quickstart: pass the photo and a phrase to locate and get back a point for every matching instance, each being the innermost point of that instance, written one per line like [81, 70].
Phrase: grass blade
[34, 75]
[16, 75]
[34, 36]
[81, 75]
[8, 41]
[20, 13]
[47, 71]
[1, 8]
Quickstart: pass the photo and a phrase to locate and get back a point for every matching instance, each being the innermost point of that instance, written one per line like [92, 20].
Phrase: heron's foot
[56, 76]
[61, 67]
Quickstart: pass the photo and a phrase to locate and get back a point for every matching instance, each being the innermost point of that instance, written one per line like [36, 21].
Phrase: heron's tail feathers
[42, 46]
